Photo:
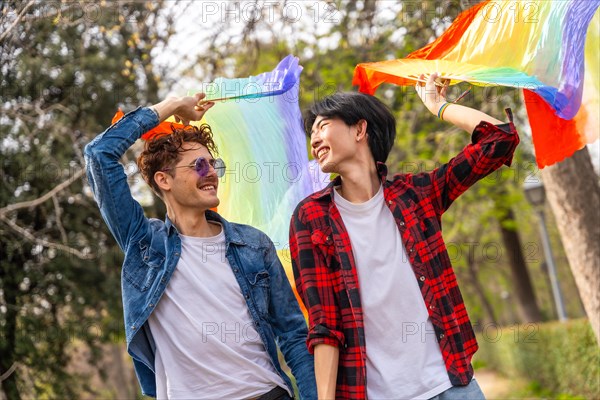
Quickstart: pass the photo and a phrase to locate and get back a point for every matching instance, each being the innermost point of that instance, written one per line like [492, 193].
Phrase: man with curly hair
[206, 302]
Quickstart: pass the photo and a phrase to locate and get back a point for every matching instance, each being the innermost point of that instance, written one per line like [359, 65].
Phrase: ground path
[497, 387]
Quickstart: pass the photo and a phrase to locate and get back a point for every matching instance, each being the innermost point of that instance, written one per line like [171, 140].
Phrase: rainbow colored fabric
[547, 48]
[259, 133]
[262, 140]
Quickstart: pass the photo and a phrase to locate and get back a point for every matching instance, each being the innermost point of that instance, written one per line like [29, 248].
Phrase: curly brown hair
[164, 151]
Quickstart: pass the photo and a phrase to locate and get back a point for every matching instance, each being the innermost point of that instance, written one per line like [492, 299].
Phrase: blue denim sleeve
[106, 176]
[290, 327]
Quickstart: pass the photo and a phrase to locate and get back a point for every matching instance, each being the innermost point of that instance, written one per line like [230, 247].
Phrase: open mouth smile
[321, 153]
[207, 187]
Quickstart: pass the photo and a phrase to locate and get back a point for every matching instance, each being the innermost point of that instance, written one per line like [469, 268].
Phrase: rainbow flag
[258, 129]
[547, 48]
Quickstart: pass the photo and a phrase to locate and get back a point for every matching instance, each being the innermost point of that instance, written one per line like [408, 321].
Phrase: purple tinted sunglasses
[202, 166]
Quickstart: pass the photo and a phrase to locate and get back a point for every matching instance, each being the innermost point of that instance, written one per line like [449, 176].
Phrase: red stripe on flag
[554, 138]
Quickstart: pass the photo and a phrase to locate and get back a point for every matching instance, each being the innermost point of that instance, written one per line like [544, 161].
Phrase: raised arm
[434, 98]
[106, 176]
[492, 145]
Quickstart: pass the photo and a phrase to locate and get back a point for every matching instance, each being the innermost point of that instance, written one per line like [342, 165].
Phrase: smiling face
[333, 143]
[352, 117]
[182, 188]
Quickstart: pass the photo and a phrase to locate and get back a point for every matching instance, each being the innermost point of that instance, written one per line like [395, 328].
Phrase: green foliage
[535, 389]
[65, 69]
[563, 359]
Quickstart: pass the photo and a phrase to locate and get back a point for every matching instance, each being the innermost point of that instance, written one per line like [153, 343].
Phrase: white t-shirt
[207, 346]
[404, 360]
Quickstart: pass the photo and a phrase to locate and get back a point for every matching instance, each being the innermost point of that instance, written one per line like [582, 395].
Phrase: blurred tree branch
[44, 198]
[43, 242]
[17, 20]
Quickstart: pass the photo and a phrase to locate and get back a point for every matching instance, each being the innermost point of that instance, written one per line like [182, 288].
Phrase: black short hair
[351, 107]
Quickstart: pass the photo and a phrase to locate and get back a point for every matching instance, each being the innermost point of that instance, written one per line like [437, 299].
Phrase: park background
[67, 66]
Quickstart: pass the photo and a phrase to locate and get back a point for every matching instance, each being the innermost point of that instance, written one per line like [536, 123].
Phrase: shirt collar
[327, 191]
[231, 234]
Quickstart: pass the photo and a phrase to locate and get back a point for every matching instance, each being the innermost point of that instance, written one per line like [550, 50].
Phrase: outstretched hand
[184, 109]
[192, 108]
[433, 91]
[433, 94]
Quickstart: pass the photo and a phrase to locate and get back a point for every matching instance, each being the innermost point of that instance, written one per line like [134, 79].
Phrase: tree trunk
[528, 306]
[474, 278]
[574, 195]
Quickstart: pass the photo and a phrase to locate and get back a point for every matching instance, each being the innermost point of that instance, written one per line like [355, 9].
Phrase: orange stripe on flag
[450, 38]
[368, 80]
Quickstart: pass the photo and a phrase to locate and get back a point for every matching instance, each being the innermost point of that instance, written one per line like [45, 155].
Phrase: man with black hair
[386, 317]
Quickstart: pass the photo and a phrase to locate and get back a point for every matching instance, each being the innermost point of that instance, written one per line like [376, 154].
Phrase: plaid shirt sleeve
[491, 146]
[314, 279]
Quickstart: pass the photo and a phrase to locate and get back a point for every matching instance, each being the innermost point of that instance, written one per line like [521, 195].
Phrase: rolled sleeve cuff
[485, 131]
[319, 334]
[147, 118]
[504, 138]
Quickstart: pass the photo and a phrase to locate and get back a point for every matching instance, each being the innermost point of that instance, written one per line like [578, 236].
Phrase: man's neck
[360, 184]
[193, 223]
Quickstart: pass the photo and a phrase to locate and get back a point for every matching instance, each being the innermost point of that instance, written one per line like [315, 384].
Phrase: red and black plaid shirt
[325, 270]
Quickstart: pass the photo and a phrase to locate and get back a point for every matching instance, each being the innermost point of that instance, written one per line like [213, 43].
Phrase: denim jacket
[152, 248]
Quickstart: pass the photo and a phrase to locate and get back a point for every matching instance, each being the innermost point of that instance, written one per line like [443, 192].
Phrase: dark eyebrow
[324, 119]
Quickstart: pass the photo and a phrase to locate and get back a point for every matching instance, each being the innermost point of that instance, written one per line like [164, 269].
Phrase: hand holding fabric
[432, 91]
[183, 109]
